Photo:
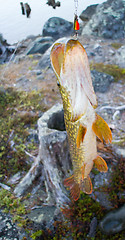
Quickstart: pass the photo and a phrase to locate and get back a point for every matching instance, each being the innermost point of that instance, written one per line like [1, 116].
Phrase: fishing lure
[71, 66]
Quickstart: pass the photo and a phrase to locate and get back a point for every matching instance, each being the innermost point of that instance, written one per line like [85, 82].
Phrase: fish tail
[102, 130]
[86, 185]
[73, 186]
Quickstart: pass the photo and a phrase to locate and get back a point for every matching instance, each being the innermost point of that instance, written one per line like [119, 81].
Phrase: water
[14, 26]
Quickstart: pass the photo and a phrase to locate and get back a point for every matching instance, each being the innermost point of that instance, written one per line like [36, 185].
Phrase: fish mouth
[70, 64]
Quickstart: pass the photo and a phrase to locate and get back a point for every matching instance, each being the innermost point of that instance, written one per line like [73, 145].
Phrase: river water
[14, 26]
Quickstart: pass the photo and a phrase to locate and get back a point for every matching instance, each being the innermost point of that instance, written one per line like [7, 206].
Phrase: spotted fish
[70, 64]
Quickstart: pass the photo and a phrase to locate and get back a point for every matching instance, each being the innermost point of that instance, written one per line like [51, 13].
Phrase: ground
[35, 91]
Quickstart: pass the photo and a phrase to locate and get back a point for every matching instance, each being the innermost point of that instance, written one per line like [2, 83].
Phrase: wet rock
[88, 12]
[114, 221]
[40, 45]
[57, 28]
[108, 20]
[101, 81]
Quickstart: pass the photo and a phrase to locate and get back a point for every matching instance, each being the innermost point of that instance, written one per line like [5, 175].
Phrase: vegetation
[116, 45]
[19, 112]
[114, 70]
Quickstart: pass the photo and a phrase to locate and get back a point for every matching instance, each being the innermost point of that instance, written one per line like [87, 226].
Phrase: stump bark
[53, 163]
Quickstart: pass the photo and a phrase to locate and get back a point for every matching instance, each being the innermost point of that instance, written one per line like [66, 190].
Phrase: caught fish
[71, 66]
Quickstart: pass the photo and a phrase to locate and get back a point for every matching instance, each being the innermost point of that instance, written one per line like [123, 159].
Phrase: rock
[3, 54]
[101, 81]
[120, 152]
[114, 221]
[43, 214]
[9, 230]
[108, 20]
[57, 28]
[40, 45]
[88, 12]
[93, 226]
[44, 62]
[120, 56]
[45, 59]
[5, 50]
[103, 199]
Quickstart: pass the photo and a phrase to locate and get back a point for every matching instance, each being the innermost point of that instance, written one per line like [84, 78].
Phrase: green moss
[19, 111]
[114, 70]
[10, 204]
[36, 234]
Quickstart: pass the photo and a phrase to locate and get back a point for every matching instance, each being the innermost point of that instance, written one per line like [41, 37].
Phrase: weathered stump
[53, 163]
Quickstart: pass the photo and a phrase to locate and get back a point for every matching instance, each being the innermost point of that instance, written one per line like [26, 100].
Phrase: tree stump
[53, 163]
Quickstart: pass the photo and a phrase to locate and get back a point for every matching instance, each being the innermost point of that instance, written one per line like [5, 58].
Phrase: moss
[116, 45]
[19, 111]
[114, 70]
[36, 234]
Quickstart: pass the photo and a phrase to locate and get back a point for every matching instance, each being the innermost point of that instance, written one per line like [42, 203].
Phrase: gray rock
[88, 12]
[101, 81]
[43, 214]
[103, 199]
[120, 56]
[114, 221]
[93, 226]
[40, 45]
[120, 152]
[45, 59]
[8, 230]
[108, 20]
[57, 28]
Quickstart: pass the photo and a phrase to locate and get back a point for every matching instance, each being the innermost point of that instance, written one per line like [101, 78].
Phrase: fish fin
[81, 134]
[83, 171]
[102, 130]
[73, 186]
[100, 164]
[56, 57]
[86, 185]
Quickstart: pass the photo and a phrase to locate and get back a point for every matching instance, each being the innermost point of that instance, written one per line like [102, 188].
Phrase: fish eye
[58, 84]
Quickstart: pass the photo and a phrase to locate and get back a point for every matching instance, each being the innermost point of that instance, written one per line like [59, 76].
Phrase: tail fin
[86, 185]
[73, 186]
